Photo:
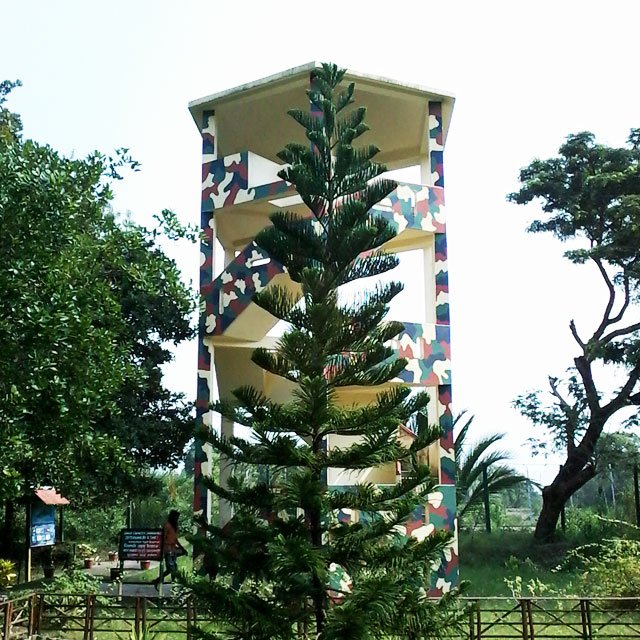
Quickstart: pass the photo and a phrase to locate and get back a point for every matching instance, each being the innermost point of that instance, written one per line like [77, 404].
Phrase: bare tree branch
[624, 395]
[634, 398]
[627, 300]
[606, 320]
[584, 369]
[621, 332]
[567, 408]
[574, 333]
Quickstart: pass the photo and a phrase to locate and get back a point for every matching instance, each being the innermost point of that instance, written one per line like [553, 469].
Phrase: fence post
[136, 622]
[88, 618]
[143, 614]
[530, 618]
[6, 627]
[478, 621]
[33, 599]
[485, 494]
[585, 617]
[39, 615]
[92, 617]
[189, 617]
[525, 619]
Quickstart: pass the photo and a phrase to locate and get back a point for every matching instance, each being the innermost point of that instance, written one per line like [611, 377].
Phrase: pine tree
[273, 559]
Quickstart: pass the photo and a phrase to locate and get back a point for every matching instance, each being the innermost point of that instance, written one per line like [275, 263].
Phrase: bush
[74, 582]
[98, 527]
[176, 493]
[610, 568]
[585, 526]
[8, 573]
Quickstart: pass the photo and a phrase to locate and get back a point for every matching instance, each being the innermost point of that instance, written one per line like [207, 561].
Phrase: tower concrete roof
[253, 116]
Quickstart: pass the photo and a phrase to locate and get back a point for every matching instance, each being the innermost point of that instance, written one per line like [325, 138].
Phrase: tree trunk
[552, 502]
[572, 476]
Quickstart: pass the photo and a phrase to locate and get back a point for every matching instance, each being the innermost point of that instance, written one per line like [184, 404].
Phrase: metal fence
[89, 617]
[530, 618]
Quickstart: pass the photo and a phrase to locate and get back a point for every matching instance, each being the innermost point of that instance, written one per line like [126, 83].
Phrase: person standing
[171, 547]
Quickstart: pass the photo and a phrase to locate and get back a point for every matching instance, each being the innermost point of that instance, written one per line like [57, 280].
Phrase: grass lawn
[487, 559]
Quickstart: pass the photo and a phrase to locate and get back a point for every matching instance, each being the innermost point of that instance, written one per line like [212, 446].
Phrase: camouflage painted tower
[242, 130]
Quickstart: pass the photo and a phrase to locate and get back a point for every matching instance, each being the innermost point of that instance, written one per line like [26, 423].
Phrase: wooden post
[89, 603]
[92, 616]
[485, 494]
[478, 620]
[143, 614]
[636, 493]
[40, 614]
[584, 620]
[27, 541]
[61, 525]
[189, 618]
[525, 619]
[136, 622]
[530, 618]
[33, 612]
[6, 627]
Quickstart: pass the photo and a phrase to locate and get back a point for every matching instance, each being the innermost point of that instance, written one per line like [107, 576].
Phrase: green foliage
[284, 537]
[144, 634]
[97, 526]
[86, 551]
[532, 588]
[610, 568]
[471, 458]
[88, 304]
[74, 582]
[611, 492]
[590, 195]
[488, 561]
[8, 573]
[584, 526]
[175, 492]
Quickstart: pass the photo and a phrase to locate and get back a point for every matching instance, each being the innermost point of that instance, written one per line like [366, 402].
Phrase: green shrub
[585, 526]
[74, 582]
[610, 568]
[8, 573]
[99, 527]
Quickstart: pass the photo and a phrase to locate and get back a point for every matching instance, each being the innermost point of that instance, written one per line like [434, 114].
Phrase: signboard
[43, 525]
[141, 544]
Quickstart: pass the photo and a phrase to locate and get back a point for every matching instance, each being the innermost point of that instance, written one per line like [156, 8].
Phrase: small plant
[87, 552]
[143, 634]
[8, 573]
[611, 568]
[73, 581]
[512, 563]
[534, 588]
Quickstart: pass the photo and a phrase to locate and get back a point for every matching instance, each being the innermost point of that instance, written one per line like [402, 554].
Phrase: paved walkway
[137, 582]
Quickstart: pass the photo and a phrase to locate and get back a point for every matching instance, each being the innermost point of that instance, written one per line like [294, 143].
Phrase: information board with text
[141, 544]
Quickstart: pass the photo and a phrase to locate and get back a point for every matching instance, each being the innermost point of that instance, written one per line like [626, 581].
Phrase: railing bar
[502, 617]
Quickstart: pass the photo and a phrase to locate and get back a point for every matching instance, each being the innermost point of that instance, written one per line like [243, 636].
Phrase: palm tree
[470, 461]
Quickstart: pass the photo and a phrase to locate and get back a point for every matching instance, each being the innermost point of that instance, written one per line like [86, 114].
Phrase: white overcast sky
[101, 75]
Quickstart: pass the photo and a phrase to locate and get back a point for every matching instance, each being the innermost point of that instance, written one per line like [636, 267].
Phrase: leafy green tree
[471, 459]
[590, 194]
[87, 306]
[284, 539]
[611, 491]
